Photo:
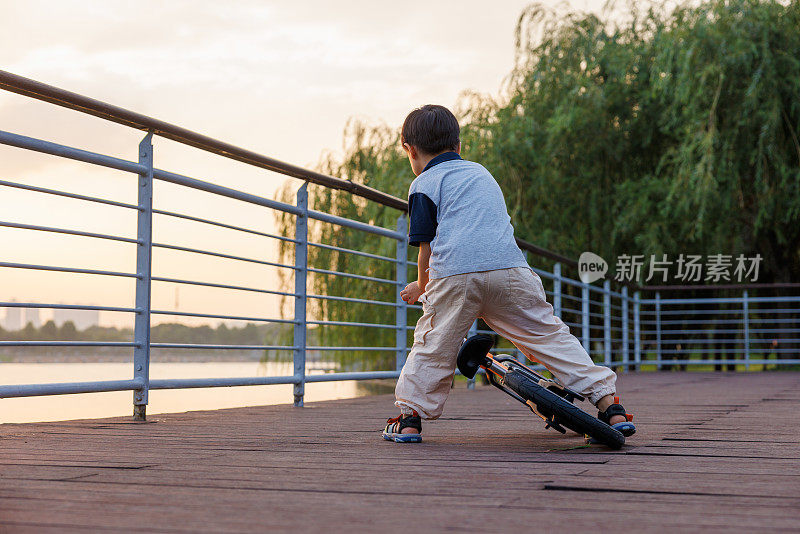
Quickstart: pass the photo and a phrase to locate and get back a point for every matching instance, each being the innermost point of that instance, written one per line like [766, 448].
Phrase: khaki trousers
[513, 303]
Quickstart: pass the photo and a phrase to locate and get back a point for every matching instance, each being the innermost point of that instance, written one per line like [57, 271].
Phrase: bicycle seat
[472, 354]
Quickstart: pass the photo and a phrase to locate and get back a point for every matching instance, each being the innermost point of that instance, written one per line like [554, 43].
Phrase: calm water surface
[94, 405]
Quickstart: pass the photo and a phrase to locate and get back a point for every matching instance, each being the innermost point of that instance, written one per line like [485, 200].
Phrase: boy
[470, 266]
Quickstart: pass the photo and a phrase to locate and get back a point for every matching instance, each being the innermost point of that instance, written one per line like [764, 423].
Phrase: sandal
[395, 426]
[626, 428]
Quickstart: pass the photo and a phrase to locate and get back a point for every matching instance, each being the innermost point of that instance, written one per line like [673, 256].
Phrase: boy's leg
[425, 380]
[520, 313]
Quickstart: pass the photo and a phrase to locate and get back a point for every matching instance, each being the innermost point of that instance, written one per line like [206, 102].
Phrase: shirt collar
[441, 158]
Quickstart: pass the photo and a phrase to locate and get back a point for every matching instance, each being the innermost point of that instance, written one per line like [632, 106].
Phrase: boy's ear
[412, 150]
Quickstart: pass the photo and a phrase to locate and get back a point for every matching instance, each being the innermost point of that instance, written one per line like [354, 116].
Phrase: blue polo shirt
[458, 207]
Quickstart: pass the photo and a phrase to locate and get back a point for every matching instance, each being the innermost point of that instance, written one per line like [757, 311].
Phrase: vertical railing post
[585, 333]
[472, 331]
[557, 289]
[746, 312]
[607, 323]
[301, 269]
[144, 248]
[401, 311]
[637, 330]
[626, 357]
[658, 330]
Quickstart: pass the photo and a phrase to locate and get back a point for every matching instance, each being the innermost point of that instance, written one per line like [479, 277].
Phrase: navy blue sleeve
[422, 212]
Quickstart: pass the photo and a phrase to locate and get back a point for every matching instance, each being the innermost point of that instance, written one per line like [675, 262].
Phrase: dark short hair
[432, 129]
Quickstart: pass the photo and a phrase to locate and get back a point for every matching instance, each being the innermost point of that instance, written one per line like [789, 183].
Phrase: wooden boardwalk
[714, 452]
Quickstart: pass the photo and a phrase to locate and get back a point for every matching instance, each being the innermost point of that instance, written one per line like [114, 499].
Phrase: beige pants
[513, 303]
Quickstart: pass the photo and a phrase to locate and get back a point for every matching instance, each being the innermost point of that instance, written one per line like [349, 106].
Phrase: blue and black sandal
[395, 426]
[625, 427]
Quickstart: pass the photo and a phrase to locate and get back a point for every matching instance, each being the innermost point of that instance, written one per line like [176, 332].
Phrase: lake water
[110, 404]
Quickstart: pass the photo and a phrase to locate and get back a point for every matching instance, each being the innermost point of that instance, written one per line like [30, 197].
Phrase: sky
[278, 77]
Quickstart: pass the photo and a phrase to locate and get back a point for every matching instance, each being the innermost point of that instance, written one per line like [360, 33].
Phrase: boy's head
[427, 132]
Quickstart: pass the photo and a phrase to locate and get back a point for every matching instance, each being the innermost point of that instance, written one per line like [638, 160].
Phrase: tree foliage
[657, 133]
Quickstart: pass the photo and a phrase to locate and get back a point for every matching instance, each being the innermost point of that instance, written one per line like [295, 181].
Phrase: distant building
[32, 316]
[13, 319]
[82, 319]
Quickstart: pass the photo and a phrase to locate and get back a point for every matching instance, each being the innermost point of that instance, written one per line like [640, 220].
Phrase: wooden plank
[701, 459]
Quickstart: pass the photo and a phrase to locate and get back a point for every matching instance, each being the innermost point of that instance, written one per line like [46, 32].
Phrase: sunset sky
[280, 78]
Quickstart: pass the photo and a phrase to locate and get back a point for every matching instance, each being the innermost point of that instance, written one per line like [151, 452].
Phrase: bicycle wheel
[563, 412]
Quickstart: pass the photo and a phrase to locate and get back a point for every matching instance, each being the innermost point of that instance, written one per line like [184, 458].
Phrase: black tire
[563, 411]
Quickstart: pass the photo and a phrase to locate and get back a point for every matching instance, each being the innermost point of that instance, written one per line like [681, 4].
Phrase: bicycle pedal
[555, 426]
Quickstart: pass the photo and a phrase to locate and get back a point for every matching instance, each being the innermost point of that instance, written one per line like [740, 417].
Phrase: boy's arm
[414, 290]
[423, 261]
[422, 230]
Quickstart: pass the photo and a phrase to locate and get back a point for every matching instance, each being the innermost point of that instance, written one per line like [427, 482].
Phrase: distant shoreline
[114, 355]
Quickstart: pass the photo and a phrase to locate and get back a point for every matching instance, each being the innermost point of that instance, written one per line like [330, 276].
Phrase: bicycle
[545, 397]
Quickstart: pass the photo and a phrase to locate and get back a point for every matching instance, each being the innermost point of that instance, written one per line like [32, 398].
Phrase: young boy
[470, 266]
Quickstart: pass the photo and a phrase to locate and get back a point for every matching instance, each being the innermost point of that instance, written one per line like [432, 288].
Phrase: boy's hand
[411, 293]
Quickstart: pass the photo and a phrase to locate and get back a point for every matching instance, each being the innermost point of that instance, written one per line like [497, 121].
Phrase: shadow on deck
[713, 451]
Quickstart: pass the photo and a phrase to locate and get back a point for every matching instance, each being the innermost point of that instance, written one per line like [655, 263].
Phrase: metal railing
[618, 329]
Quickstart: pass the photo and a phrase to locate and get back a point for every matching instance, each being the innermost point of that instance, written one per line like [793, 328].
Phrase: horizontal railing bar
[218, 347]
[67, 344]
[65, 269]
[214, 316]
[188, 383]
[346, 323]
[354, 300]
[717, 362]
[724, 341]
[543, 274]
[379, 349]
[723, 300]
[694, 312]
[566, 280]
[222, 225]
[695, 321]
[66, 307]
[221, 190]
[727, 349]
[354, 252]
[67, 388]
[525, 245]
[356, 276]
[358, 375]
[775, 320]
[734, 330]
[47, 147]
[220, 286]
[68, 195]
[22, 226]
[222, 255]
[727, 312]
[364, 227]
